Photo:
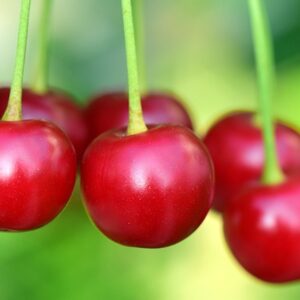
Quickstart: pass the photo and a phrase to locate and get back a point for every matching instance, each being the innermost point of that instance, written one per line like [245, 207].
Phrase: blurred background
[199, 49]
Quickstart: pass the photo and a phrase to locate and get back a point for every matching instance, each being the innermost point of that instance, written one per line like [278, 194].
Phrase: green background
[201, 50]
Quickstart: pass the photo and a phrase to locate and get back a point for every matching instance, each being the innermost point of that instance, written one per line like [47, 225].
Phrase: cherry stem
[41, 80]
[14, 107]
[136, 122]
[140, 41]
[272, 173]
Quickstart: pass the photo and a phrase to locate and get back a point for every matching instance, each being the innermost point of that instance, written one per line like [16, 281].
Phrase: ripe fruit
[237, 150]
[37, 173]
[151, 189]
[262, 228]
[56, 107]
[110, 111]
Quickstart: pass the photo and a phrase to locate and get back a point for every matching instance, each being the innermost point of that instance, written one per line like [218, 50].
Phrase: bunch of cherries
[147, 179]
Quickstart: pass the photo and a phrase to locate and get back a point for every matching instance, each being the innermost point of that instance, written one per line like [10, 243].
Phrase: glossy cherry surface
[148, 190]
[262, 228]
[236, 146]
[55, 107]
[37, 173]
[110, 111]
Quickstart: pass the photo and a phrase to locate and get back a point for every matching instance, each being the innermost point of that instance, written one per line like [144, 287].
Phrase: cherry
[110, 111]
[43, 103]
[55, 107]
[262, 228]
[236, 146]
[37, 173]
[151, 189]
[37, 160]
[262, 221]
[146, 187]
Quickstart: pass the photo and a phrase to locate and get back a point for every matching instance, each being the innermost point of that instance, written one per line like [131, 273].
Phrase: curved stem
[14, 107]
[140, 42]
[41, 80]
[136, 122]
[272, 173]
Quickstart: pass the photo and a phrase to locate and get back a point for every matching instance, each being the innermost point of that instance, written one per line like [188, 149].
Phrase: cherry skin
[237, 150]
[147, 190]
[37, 173]
[110, 111]
[55, 107]
[262, 228]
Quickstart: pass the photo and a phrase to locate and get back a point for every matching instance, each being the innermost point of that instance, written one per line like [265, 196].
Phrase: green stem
[272, 173]
[136, 122]
[140, 41]
[41, 80]
[14, 107]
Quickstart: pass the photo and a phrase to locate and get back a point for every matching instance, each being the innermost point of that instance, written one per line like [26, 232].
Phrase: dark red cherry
[110, 111]
[262, 228]
[37, 173]
[237, 150]
[55, 107]
[147, 190]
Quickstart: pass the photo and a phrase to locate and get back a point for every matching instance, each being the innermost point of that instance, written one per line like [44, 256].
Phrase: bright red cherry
[37, 173]
[151, 189]
[55, 107]
[110, 111]
[262, 228]
[237, 150]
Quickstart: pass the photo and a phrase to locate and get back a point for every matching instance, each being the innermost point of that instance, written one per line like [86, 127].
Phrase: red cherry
[37, 174]
[110, 111]
[262, 228]
[55, 107]
[147, 190]
[237, 150]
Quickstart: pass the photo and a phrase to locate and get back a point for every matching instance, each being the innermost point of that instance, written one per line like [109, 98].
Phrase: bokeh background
[199, 49]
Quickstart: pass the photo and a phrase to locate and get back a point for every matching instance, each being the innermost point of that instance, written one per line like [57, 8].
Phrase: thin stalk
[136, 121]
[272, 173]
[14, 107]
[139, 17]
[41, 79]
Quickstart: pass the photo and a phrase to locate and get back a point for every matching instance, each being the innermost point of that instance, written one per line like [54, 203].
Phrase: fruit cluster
[147, 179]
